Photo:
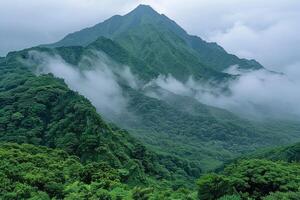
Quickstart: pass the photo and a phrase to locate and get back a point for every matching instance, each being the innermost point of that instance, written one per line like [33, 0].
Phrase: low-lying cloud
[253, 93]
[98, 83]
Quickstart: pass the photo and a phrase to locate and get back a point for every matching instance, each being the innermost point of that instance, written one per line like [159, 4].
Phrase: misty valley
[136, 108]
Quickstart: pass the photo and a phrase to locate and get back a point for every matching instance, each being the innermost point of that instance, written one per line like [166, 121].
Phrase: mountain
[172, 124]
[42, 110]
[133, 131]
[161, 43]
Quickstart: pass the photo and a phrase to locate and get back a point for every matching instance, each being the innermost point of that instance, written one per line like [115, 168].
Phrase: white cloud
[255, 93]
[260, 93]
[99, 83]
[170, 84]
[274, 46]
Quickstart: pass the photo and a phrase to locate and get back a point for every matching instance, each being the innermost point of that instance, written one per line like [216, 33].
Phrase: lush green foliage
[230, 197]
[252, 179]
[40, 173]
[283, 196]
[41, 110]
[36, 172]
[289, 153]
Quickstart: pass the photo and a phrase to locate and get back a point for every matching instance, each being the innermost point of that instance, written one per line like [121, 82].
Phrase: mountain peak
[143, 9]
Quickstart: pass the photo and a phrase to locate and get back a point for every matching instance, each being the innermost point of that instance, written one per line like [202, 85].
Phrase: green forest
[56, 144]
[71, 153]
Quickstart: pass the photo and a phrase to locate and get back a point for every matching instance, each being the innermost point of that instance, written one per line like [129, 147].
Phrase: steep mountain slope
[162, 44]
[42, 110]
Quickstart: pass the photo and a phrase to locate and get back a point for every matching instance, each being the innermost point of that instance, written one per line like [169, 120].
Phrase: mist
[258, 93]
[98, 83]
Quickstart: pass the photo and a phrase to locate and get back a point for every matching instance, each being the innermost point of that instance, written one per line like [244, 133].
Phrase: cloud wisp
[254, 93]
[98, 83]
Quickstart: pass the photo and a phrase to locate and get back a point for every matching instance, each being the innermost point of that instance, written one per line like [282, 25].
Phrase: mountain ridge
[118, 26]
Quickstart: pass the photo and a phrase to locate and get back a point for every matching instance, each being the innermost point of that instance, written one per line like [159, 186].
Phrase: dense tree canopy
[36, 172]
[252, 179]
[42, 110]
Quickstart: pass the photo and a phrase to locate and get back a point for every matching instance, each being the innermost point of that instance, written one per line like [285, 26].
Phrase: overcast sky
[268, 31]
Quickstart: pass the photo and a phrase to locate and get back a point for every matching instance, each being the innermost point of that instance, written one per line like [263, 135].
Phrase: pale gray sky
[267, 31]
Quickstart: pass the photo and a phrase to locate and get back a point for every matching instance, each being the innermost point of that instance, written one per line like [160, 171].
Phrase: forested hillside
[109, 113]
[42, 110]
